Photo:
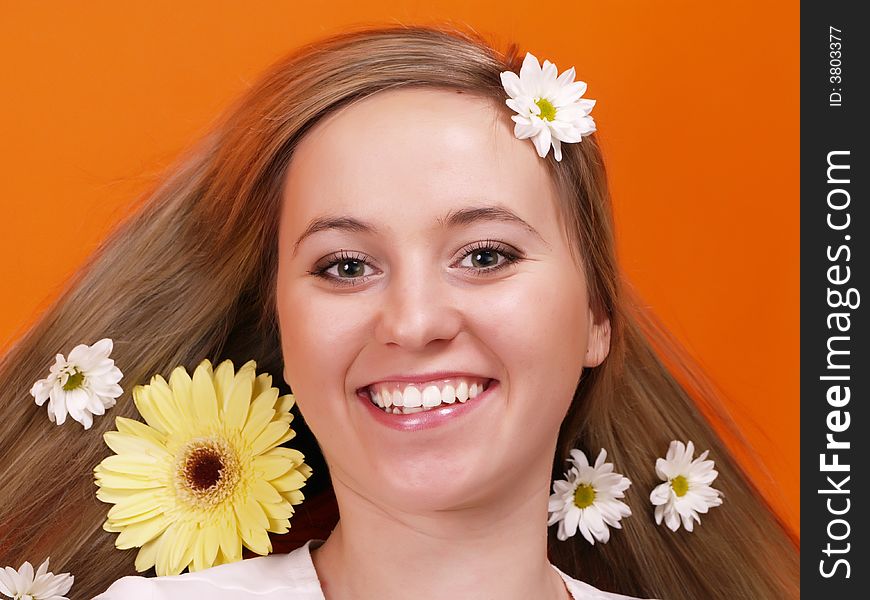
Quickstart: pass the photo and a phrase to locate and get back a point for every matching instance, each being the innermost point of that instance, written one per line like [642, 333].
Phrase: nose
[419, 306]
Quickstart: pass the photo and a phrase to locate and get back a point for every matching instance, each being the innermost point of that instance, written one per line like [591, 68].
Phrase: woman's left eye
[481, 258]
[486, 253]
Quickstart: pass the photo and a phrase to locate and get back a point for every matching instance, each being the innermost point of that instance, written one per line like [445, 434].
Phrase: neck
[497, 550]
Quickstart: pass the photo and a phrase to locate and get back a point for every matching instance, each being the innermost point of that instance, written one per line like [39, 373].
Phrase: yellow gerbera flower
[205, 475]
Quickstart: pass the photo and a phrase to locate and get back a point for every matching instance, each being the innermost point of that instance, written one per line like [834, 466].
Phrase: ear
[598, 342]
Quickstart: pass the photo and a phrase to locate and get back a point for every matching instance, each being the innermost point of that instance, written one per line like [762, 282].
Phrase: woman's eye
[483, 257]
[343, 269]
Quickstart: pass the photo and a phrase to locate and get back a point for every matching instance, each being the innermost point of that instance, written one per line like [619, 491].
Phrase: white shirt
[277, 576]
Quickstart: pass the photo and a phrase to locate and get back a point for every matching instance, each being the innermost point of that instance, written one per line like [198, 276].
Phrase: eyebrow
[455, 218]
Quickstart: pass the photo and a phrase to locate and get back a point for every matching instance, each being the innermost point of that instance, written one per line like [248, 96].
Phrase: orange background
[697, 113]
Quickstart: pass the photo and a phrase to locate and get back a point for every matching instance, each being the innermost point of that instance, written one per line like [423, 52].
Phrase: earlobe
[598, 343]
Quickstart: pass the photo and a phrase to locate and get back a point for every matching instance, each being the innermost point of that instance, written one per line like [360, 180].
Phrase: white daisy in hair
[686, 489]
[587, 500]
[83, 385]
[23, 584]
[549, 110]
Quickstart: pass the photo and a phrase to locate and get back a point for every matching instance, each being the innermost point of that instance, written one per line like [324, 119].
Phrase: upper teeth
[425, 396]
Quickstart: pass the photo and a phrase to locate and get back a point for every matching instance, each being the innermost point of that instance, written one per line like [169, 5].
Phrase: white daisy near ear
[587, 500]
[549, 110]
[686, 491]
[23, 585]
[84, 385]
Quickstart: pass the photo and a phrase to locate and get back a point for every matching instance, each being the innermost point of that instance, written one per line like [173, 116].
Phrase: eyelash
[511, 258]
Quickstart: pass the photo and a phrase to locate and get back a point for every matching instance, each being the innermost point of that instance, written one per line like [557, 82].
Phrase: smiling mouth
[406, 399]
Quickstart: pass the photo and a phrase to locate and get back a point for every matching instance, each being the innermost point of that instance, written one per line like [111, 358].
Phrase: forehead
[417, 153]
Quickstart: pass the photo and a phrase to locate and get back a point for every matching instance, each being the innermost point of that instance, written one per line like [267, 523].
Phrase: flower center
[207, 472]
[584, 495]
[548, 111]
[680, 485]
[74, 380]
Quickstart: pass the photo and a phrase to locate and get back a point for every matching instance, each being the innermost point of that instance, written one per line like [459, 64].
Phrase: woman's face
[410, 205]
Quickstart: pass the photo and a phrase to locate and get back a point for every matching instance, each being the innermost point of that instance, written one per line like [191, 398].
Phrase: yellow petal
[137, 534]
[286, 402]
[239, 399]
[147, 554]
[264, 492]
[115, 496]
[164, 547]
[277, 512]
[138, 429]
[130, 514]
[274, 434]
[290, 454]
[204, 396]
[125, 482]
[279, 525]
[180, 552]
[305, 470]
[271, 466]
[250, 515]
[123, 443]
[171, 407]
[260, 414]
[149, 408]
[137, 504]
[141, 465]
[223, 380]
[293, 496]
[231, 545]
[122, 522]
[209, 542]
[291, 481]
[182, 385]
[262, 383]
[258, 540]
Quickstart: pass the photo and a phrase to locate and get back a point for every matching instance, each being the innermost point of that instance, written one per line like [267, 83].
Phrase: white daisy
[588, 499]
[84, 385]
[22, 585]
[686, 491]
[550, 110]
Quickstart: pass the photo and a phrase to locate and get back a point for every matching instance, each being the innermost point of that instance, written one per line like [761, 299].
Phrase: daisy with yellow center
[205, 474]
[81, 386]
[549, 110]
[588, 499]
[24, 584]
[686, 490]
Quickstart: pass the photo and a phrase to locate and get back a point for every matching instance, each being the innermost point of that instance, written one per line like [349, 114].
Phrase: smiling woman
[444, 301]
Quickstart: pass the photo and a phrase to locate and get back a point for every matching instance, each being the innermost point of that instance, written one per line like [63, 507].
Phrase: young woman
[366, 221]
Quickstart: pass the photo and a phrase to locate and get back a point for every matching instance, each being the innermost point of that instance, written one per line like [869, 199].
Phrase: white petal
[571, 520]
[661, 494]
[57, 404]
[557, 149]
[530, 74]
[511, 83]
[542, 142]
[525, 130]
[578, 457]
[602, 456]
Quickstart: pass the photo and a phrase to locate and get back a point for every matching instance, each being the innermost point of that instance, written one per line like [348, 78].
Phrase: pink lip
[428, 418]
[423, 378]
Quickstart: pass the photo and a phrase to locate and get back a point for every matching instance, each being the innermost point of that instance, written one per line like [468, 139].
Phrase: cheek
[537, 328]
[319, 339]
[539, 334]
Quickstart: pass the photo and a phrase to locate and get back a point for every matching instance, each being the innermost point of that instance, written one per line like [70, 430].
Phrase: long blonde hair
[191, 275]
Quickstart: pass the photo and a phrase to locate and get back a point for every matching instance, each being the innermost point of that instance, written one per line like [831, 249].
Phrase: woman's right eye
[349, 269]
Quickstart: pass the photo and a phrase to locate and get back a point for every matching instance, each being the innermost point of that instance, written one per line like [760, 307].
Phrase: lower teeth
[407, 410]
